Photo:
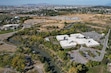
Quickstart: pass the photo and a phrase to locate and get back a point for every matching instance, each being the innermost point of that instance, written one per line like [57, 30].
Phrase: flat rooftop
[74, 39]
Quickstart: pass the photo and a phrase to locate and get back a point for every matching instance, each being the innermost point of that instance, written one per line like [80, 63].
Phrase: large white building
[62, 37]
[91, 43]
[67, 44]
[77, 35]
[74, 39]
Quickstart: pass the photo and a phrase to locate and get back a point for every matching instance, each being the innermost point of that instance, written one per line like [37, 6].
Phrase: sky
[57, 2]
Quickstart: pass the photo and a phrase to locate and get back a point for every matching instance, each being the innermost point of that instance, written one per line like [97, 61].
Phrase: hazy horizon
[56, 2]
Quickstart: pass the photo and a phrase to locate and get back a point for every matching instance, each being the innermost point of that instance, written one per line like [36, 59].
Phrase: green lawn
[5, 31]
[98, 69]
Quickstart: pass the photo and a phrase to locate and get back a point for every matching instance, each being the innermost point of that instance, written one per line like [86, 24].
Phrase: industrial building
[62, 37]
[67, 44]
[74, 39]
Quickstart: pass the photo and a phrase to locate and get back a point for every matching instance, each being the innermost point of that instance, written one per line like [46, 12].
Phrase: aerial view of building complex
[55, 36]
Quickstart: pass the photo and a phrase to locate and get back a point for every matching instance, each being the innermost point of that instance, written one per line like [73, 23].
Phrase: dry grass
[100, 19]
[7, 48]
[1, 70]
[5, 36]
[92, 18]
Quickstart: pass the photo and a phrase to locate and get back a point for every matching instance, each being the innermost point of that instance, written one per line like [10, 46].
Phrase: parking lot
[96, 55]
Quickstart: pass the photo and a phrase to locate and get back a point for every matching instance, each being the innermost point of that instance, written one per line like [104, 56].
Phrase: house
[17, 17]
[10, 26]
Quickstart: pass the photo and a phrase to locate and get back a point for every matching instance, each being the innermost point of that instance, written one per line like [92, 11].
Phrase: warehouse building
[67, 44]
[62, 37]
[74, 39]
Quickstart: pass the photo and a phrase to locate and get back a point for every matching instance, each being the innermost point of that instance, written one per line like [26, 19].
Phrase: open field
[58, 22]
[98, 69]
[92, 18]
[49, 22]
[1, 70]
[7, 48]
[100, 19]
[6, 35]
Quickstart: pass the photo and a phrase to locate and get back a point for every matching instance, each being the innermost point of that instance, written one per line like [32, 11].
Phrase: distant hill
[47, 4]
[109, 4]
[101, 7]
[32, 5]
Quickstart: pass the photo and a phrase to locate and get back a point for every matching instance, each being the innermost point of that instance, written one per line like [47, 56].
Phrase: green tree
[73, 70]
[46, 66]
[91, 64]
[18, 62]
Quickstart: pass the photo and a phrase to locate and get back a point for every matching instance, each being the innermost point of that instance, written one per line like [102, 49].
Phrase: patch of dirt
[1, 70]
[7, 48]
[6, 35]
[100, 19]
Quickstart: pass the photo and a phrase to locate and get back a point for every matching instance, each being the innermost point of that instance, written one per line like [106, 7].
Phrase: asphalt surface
[104, 47]
[102, 52]
[77, 57]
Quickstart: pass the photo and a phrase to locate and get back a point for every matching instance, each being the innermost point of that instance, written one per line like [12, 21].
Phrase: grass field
[5, 31]
[98, 69]
[8, 31]
[99, 21]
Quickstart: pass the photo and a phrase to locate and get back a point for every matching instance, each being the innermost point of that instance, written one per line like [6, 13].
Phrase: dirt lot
[100, 19]
[92, 18]
[7, 48]
[1, 70]
[6, 35]
[7, 70]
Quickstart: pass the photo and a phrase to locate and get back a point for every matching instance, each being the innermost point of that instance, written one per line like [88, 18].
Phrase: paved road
[6, 70]
[6, 35]
[104, 46]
